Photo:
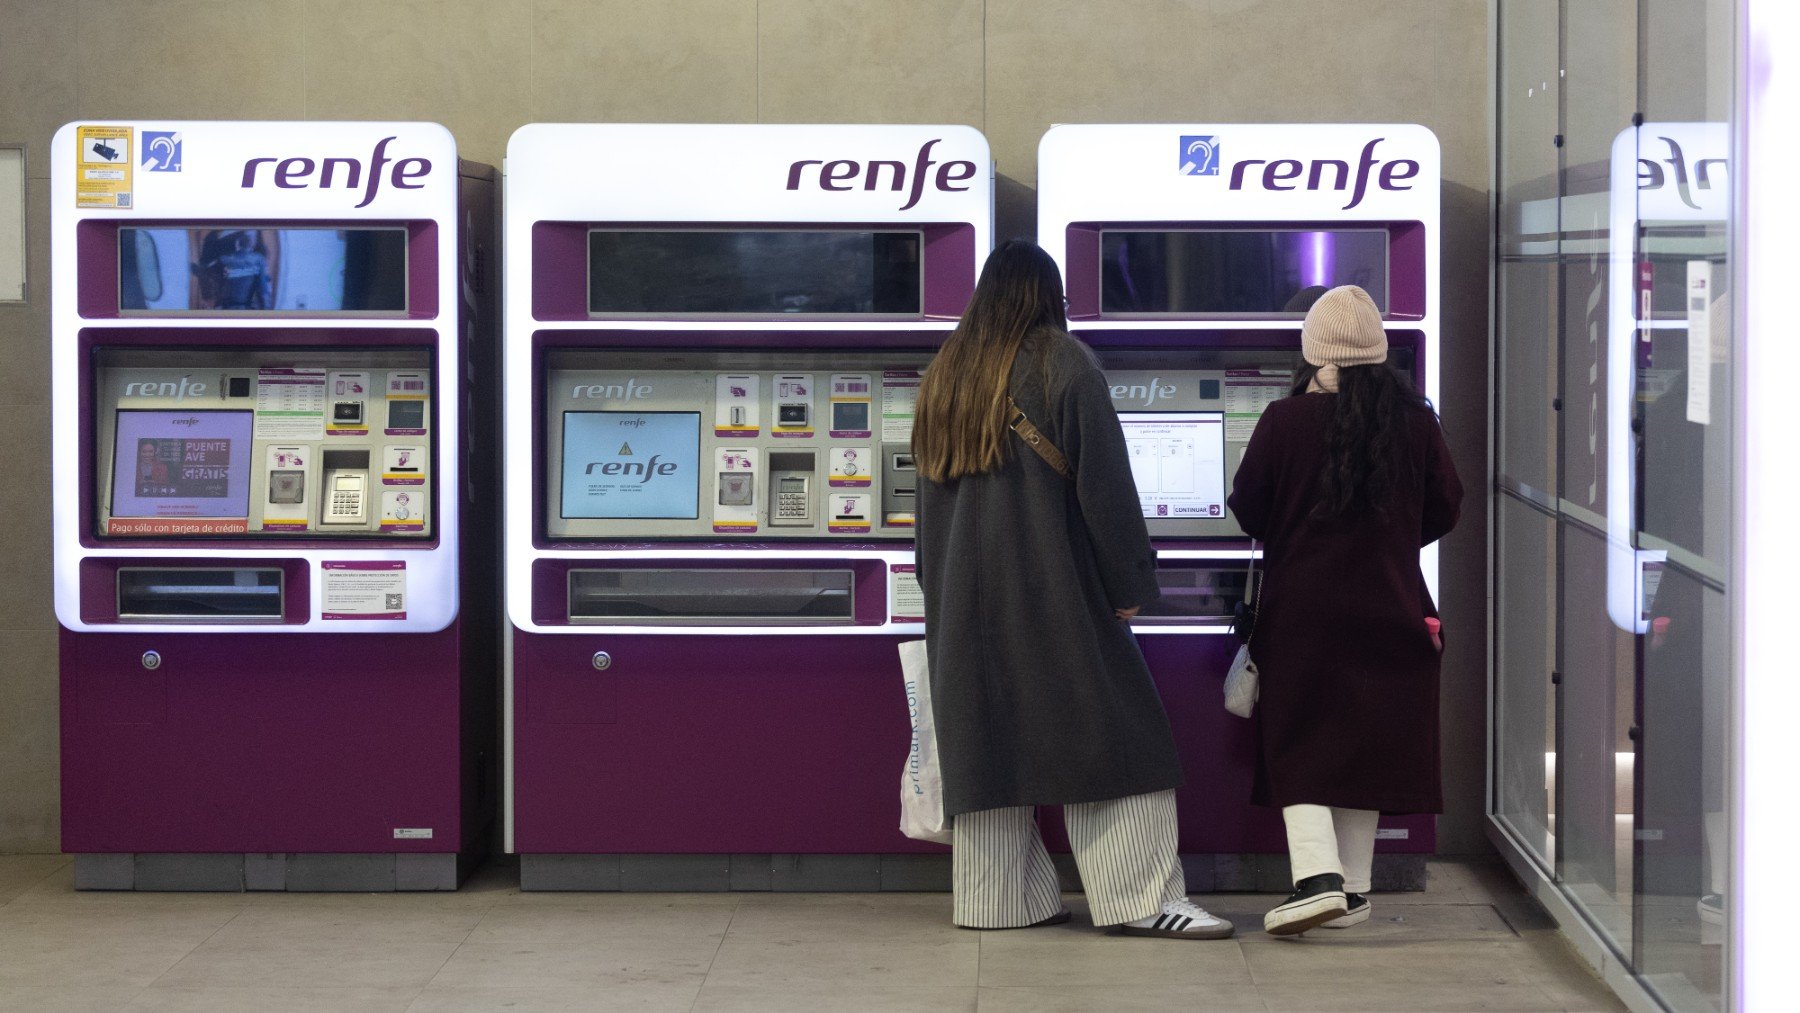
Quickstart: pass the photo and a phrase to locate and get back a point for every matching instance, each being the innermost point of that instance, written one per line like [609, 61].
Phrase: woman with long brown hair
[1033, 555]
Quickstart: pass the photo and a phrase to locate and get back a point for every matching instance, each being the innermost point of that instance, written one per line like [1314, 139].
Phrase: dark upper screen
[763, 272]
[1239, 271]
[253, 270]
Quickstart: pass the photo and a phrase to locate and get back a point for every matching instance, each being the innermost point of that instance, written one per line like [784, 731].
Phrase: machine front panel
[268, 445]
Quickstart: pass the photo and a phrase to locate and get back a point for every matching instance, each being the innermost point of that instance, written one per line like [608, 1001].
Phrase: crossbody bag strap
[1034, 438]
[1252, 593]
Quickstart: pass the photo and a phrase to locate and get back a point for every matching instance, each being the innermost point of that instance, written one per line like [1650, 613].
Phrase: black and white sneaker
[1315, 901]
[1180, 919]
[1358, 913]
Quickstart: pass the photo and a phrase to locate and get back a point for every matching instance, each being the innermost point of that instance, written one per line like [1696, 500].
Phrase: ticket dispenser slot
[345, 489]
[189, 594]
[899, 488]
[791, 489]
[756, 597]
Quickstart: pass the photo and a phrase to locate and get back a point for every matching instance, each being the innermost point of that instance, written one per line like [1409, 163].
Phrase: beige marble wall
[484, 67]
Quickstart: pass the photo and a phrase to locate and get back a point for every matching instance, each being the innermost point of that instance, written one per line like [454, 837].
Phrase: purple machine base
[243, 747]
[790, 748]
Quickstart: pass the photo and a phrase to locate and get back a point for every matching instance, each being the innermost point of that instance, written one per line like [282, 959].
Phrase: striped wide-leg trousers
[1124, 848]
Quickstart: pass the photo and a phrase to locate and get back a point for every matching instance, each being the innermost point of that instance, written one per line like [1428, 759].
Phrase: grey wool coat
[1039, 693]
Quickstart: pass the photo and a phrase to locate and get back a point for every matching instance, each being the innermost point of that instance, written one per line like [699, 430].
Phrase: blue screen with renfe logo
[631, 465]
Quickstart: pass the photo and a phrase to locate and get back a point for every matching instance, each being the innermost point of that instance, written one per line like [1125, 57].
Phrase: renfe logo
[1278, 172]
[628, 391]
[177, 389]
[1145, 393]
[846, 171]
[1651, 176]
[645, 470]
[295, 173]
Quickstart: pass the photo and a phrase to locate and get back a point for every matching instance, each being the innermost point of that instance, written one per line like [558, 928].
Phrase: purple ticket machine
[1191, 253]
[714, 337]
[273, 553]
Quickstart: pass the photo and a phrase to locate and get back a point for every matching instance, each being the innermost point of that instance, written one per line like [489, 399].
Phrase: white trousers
[1325, 839]
[1124, 847]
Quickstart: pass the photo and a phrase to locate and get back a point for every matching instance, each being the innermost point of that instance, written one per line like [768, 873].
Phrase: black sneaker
[1358, 913]
[1315, 901]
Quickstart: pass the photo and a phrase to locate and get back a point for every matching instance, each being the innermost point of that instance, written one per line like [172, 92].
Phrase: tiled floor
[1471, 942]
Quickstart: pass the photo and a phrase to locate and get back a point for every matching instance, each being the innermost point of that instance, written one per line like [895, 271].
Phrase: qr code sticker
[395, 602]
[125, 200]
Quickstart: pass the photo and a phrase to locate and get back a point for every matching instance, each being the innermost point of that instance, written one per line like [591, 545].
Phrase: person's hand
[1126, 615]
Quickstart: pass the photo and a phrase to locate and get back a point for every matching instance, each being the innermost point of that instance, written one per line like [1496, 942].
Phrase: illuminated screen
[181, 464]
[1178, 462]
[755, 272]
[244, 270]
[631, 465]
[1266, 272]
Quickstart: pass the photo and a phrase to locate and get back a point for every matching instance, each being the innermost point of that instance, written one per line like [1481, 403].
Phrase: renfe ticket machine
[1191, 253]
[270, 519]
[714, 339]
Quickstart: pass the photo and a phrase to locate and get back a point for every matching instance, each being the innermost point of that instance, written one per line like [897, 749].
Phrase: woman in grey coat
[1030, 575]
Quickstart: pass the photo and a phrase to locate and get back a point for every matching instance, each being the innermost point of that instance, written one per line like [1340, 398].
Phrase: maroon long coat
[1348, 714]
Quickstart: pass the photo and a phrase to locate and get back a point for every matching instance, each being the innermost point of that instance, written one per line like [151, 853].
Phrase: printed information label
[103, 161]
[290, 404]
[364, 590]
[899, 401]
[906, 599]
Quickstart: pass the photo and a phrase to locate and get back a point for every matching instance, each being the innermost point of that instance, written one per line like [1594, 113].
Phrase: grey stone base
[877, 873]
[296, 872]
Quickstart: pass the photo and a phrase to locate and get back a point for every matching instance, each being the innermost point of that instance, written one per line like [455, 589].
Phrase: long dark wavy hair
[1367, 451]
[959, 424]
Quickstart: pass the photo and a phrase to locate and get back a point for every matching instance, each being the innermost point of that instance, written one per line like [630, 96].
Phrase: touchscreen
[181, 464]
[631, 465]
[1178, 462]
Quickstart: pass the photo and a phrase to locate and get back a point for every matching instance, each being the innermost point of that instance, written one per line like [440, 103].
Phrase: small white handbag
[921, 781]
[1243, 683]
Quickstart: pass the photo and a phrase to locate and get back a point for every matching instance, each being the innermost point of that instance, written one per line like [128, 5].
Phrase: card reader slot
[751, 597]
[189, 594]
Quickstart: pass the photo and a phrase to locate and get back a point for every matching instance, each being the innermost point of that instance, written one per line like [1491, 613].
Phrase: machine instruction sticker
[899, 400]
[349, 405]
[736, 414]
[793, 406]
[290, 404]
[851, 398]
[851, 467]
[103, 167]
[850, 513]
[734, 509]
[402, 510]
[403, 466]
[373, 589]
[407, 391]
[286, 468]
[906, 599]
[1247, 393]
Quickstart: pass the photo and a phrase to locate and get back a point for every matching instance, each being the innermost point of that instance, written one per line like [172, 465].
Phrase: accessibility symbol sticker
[1199, 155]
[162, 150]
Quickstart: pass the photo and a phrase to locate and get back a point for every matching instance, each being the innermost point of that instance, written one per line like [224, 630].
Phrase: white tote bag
[921, 782]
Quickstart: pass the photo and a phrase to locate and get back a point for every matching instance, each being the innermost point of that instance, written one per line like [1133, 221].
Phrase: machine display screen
[761, 272]
[1237, 272]
[250, 270]
[181, 464]
[1178, 462]
[631, 465]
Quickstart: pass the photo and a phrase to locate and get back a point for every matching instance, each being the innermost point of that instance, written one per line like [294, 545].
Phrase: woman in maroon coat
[1344, 482]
